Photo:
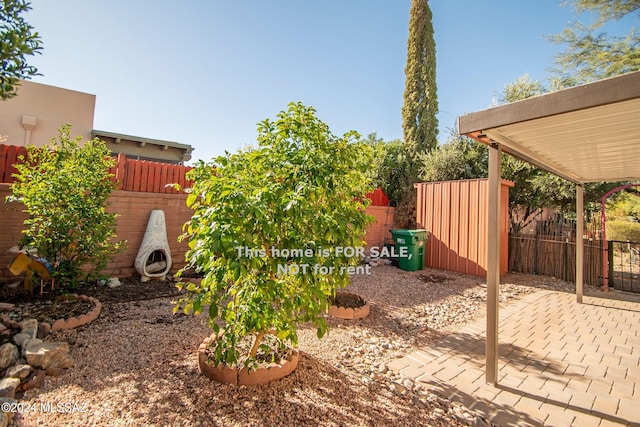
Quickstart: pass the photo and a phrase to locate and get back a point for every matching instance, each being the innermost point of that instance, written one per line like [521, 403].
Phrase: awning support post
[579, 242]
[493, 264]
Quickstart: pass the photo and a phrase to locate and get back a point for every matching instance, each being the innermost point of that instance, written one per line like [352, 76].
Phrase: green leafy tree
[591, 54]
[625, 205]
[525, 201]
[64, 189]
[420, 107]
[459, 158]
[623, 215]
[17, 42]
[390, 166]
[463, 158]
[607, 9]
[302, 190]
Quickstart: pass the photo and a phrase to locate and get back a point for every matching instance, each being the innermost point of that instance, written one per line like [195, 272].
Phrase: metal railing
[624, 265]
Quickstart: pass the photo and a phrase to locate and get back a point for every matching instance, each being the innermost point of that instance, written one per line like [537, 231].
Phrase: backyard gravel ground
[136, 365]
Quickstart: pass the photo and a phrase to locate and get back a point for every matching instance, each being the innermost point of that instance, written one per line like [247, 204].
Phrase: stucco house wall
[37, 112]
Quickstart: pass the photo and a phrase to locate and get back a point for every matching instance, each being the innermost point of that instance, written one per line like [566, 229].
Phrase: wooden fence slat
[121, 169]
[130, 174]
[163, 178]
[176, 177]
[4, 152]
[556, 258]
[154, 177]
[144, 177]
[113, 170]
[137, 174]
[378, 198]
[170, 178]
[11, 159]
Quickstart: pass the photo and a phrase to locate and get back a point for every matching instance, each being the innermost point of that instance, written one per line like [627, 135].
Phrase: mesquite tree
[266, 230]
[592, 54]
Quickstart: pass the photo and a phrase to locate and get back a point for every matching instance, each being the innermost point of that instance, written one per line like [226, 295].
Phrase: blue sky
[204, 72]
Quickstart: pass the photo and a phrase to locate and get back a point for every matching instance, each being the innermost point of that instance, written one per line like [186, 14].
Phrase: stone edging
[74, 322]
[349, 313]
[227, 375]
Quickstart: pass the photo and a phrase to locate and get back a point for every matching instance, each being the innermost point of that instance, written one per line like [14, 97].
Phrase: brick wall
[377, 231]
[11, 218]
[134, 209]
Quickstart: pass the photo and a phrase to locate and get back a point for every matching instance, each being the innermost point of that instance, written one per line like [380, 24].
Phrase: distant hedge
[623, 231]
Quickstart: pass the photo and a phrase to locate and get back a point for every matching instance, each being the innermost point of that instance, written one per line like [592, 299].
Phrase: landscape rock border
[74, 322]
[349, 313]
[229, 375]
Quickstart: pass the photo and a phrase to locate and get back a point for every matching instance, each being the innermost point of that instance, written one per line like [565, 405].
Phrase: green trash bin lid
[418, 235]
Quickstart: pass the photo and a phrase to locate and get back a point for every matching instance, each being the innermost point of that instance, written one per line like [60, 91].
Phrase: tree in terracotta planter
[264, 232]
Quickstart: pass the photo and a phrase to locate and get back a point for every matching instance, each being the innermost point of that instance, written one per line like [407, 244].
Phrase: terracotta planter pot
[74, 322]
[349, 313]
[229, 375]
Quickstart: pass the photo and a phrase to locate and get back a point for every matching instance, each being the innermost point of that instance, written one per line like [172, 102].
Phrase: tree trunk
[256, 344]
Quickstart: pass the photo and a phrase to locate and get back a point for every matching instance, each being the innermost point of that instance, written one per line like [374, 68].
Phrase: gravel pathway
[136, 364]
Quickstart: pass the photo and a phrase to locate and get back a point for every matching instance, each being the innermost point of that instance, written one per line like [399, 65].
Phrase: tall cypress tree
[420, 99]
[419, 120]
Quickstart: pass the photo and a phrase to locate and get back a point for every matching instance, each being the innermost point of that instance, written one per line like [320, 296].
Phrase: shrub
[623, 231]
[64, 188]
[301, 190]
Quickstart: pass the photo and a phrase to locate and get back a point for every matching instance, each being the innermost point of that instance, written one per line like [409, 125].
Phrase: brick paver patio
[561, 363]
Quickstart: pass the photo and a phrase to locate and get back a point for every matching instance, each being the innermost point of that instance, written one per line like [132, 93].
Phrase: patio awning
[587, 133]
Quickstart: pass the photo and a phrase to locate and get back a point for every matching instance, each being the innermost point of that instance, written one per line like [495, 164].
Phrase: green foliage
[592, 55]
[17, 41]
[521, 88]
[420, 98]
[624, 206]
[459, 158]
[419, 121]
[623, 231]
[301, 189]
[607, 9]
[64, 189]
[534, 189]
[390, 166]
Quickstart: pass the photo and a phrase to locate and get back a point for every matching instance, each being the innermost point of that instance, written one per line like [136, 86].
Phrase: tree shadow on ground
[507, 415]
[469, 349]
[610, 300]
[152, 378]
[472, 349]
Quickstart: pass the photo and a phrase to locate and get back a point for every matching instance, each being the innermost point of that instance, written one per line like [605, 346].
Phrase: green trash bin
[414, 242]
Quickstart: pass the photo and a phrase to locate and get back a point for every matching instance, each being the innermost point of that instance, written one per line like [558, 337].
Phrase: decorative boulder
[9, 355]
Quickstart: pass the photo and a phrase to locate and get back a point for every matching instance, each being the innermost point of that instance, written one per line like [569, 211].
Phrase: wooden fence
[149, 177]
[378, 198]
[8, 157]
[555, 257]
[131, 174]
[138, 175]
